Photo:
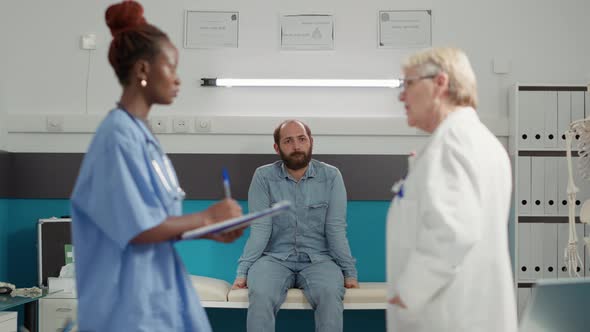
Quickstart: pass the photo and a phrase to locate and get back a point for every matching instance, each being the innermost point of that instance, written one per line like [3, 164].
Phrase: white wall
[44, 72]
[3, 138]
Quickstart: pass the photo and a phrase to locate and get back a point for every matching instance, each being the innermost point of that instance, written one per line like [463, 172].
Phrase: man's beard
[296, 160]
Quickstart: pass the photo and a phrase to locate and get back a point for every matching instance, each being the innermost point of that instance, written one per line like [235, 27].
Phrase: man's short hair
[277, 132]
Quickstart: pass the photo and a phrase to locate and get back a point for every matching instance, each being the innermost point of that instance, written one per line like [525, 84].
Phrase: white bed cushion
[241, 295]
[238, 295]
[211, 289]
[369, 292]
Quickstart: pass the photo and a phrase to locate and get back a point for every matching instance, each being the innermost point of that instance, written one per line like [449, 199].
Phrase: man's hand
[240, 283]
[398, 301]
[351, 283]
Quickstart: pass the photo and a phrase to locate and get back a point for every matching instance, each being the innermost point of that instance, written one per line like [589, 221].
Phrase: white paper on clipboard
[239, 222]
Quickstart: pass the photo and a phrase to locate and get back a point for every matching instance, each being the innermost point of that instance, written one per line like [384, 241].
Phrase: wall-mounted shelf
[539, 117]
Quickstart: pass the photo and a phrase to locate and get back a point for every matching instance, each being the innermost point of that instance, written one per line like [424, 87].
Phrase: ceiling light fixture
[284, 82]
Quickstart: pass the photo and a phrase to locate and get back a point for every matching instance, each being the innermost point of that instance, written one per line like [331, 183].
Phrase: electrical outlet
[181, 124]
[88, 41]
[54, 123]
[159, 124]
[203, 125]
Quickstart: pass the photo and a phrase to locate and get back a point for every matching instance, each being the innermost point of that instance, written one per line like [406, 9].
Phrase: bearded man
[305, 248]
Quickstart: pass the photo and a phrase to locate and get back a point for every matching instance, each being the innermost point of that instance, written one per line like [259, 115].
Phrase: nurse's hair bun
[133, 39]
[124, 16]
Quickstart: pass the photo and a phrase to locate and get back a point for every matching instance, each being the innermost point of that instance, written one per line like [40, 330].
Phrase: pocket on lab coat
[408, 220]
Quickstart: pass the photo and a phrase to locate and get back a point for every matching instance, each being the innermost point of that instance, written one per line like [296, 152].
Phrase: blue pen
[398, 188]
[226, 188]
[69, 326]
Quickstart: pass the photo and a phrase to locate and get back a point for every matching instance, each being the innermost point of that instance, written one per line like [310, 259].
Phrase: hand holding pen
[223, 210]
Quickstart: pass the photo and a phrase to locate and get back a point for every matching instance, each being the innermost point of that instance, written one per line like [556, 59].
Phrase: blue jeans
[270, 278]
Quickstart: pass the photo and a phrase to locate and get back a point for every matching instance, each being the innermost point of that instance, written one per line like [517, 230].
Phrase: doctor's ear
[441, 81]
[276, 147]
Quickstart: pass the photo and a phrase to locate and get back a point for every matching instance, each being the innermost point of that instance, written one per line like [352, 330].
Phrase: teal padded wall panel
[3, 239]
[366, 233]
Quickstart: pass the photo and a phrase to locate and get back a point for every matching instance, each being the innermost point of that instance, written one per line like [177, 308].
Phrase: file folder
[549, 108]
[577, 110]
[537, 262]
[531, 120]
[538, 186]
[564, 110]
[551, 178]
[549, 250]
[562, 179]
[524, 252]
[524, 186]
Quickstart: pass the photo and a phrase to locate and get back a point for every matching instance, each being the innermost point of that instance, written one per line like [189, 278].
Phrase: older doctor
[448, 266]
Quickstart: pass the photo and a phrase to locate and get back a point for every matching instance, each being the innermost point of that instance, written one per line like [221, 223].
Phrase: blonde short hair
[453, 62]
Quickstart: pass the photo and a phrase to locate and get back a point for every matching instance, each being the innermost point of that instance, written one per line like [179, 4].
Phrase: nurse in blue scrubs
[126, 204]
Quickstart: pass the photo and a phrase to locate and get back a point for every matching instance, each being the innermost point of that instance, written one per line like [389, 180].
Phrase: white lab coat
[447, 241]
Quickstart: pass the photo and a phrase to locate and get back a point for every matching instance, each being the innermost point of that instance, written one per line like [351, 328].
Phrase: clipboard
[239, 222]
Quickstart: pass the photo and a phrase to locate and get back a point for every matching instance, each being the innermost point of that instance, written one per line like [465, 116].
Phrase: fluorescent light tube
[280, 82]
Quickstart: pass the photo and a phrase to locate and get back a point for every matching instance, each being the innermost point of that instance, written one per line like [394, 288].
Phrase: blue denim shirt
[316, 224]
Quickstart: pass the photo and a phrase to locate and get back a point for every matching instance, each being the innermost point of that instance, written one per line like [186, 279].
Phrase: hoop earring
[143, 83]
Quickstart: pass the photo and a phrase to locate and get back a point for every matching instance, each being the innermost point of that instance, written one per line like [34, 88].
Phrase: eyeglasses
[408, 82]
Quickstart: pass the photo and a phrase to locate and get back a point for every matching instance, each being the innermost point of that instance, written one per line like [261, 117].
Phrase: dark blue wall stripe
[52, 175]
[5, 170]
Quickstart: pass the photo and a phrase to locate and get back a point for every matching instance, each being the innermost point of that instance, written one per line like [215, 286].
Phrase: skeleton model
[580, 128]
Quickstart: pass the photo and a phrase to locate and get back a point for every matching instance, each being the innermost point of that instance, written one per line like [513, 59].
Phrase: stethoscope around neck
[168, 180]
[172, 186]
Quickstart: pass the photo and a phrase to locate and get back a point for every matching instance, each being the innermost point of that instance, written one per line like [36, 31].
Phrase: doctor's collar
[122, 107]
[142, 124]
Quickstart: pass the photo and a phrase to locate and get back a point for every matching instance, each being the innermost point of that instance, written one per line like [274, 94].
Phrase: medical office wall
[4, 192]
[40, 183]
[53, 93]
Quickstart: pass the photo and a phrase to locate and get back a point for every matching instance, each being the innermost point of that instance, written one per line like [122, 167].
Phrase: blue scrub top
[118, 195]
